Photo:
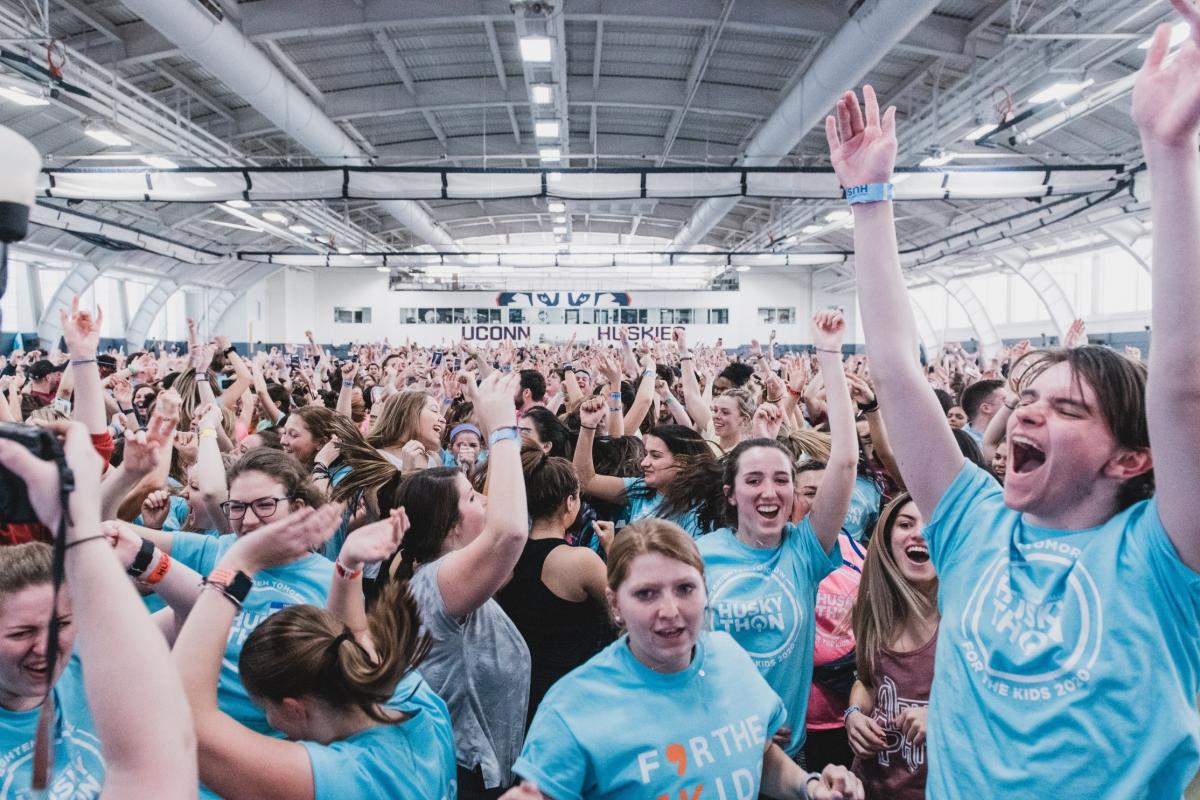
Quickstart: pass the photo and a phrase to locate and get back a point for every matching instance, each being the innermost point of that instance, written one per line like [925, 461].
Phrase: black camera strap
[43, 748]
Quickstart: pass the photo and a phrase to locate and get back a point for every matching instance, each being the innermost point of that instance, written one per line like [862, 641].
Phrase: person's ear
[729, 495]
[1129, 463]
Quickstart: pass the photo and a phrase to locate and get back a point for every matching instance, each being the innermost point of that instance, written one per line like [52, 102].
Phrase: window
[666, 316]
[718, 316]
[783, 316]
[352, 315]
[685, 316]
[516, 316]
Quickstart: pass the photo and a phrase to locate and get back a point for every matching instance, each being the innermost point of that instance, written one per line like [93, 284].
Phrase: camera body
[14, 495]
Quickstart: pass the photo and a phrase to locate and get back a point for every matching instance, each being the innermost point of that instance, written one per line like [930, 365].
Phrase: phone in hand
[438, 355]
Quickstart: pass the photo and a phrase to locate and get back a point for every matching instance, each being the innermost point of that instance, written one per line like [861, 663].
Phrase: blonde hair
[24, 565]
[647, 536]
[886, 600]
[400, 419]
[808, 445]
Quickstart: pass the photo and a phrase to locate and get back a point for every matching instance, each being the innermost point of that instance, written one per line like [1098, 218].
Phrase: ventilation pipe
[858, 46]
[223, 50]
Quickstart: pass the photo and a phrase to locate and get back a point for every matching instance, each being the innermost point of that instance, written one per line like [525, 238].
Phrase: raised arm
[863, 151]
[81, 332]
[604, 487]
[837, 485]
[643, 398]
[242, 377]
[1166, 108]
[366, 545]
[126, 663]
[694, 401]
[470, 576]
[210, 469]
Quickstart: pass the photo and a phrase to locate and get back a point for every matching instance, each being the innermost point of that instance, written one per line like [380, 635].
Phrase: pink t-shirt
[835, 636]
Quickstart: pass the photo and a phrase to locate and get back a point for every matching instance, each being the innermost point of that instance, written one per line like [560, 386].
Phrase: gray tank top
[479, 665]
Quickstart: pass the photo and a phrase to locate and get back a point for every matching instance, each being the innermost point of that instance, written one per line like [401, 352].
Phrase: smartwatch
[141, 562]
[234, 585]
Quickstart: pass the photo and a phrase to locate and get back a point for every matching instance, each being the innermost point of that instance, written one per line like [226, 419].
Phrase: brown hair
[282, 467]
[647, 536]
[549, 481]
[1119, 384]
[886, 600]
[320, 422]
[399, 420]
[305, 651]
[24, 565]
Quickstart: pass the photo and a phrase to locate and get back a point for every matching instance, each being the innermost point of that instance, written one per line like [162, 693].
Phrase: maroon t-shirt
[898, 771]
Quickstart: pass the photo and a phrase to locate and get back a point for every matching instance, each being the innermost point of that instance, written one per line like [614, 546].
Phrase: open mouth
[38, 672]
[671, 634]
[917, 553]
[1024, 456]
[769, 511]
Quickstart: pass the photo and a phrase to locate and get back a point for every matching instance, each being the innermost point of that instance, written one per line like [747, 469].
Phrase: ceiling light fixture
[542, 93]
[1060, 91]
[811, 228]
[557, 207]
[303, 230]
[15, 94]
[536, 49]
[743, 268]
[550, 153]
[560, 229]
[546, 129]
[938, 158]
[554, 177]
[238, 204]
[560, 219]
[104, 133]
[158, 162]
[840, 215]
[344, 250]
[276, 217]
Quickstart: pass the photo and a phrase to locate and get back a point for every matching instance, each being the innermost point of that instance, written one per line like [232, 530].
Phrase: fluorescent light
[159, 162]
[106, 135]
[358, 257]
[238, 204]
[839, 215]
[1179, 32]
[383, 269]
[560, 219]
[557, 207]
[554, 177]
[550, 153]
[546, 129]
[542, 93]
[303, 230]
[276, 217]
[811, 228]
[344, 250]
[536, 49]
[560, 228]
[1060, 91]
[938, 160]
[21, 97]
[743, 268]
[203, 183]
[977, 134]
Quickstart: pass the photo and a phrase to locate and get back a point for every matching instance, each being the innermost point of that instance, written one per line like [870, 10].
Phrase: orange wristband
[159, 572]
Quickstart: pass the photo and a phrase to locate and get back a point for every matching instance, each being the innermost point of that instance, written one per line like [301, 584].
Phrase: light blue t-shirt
[614, 729]
[641, 506]
[864, 509]
[177, 514]
[766, 599]
[412, 760]
[1068, 662]
[303, 581]
[78, 764]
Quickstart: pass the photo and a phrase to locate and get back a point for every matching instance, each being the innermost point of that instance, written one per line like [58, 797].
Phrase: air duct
[868, 36]
[224, 51]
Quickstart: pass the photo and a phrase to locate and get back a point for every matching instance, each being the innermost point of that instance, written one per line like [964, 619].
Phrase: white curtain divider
[469, 185]
[401, 185]
[693, 184]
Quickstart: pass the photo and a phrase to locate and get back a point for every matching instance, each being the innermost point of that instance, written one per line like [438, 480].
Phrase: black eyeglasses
[264, 507]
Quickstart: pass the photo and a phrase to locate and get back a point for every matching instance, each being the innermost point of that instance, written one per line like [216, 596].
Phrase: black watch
[141, 562]
[228, 350]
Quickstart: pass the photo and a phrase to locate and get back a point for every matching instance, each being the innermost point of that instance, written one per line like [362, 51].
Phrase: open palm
[1166, 97]
[861, 147]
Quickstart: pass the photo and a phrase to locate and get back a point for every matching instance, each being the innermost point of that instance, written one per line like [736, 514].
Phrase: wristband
[646, 373]
[775, 401]
[797, 393]
[506, 367]
[685, 358]
[207, 433]
[78, 361]
[812, 776]
[125, 410]
[503, 434]
[870, 407]
[568, 368]
[344, 573]
[160, 571]
[228, 350]
[870, 193]
[614, 395]
[851, 710]
[1012, 407]
[828, 350]
[583, 427]
[234, 585]
[141, 562]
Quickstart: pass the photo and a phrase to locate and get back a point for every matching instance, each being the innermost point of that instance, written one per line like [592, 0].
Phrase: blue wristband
[501, 434]
[870, 193]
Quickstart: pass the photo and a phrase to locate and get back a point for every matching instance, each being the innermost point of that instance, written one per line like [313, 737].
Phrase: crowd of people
[620, 570]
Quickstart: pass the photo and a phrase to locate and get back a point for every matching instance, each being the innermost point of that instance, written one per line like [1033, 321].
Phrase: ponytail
[306, 651]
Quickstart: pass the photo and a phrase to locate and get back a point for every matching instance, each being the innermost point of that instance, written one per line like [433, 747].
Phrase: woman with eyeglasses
[264, 485]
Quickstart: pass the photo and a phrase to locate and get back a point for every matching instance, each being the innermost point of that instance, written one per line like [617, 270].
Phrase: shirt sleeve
[196, 550]
[969, 507]
[1176, 583]
[552, 758]
[804, 540]
[335, 775]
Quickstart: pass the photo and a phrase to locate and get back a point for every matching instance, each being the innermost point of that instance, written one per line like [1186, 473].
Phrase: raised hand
[1076, 335]
[862, 148]
[592, 412]
[860, 390]
[124, 540]
[494, 403]
[1166, 97]
[81, 331]
[155, 508]
[374, 542]
[829, 329]
[766, 422]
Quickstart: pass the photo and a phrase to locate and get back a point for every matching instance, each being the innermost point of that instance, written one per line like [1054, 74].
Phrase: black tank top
[561, 634]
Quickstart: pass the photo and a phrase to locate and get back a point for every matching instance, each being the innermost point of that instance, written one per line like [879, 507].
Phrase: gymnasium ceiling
[680, 83]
